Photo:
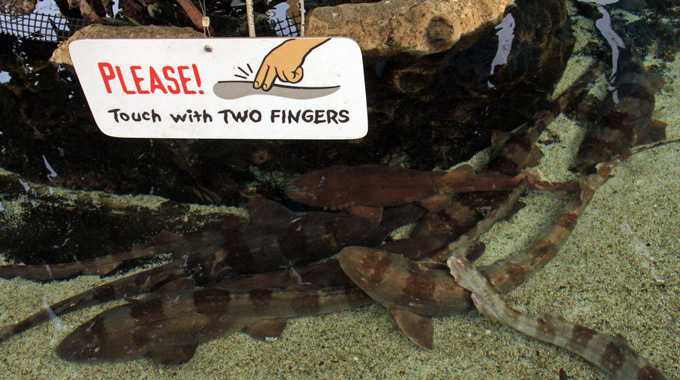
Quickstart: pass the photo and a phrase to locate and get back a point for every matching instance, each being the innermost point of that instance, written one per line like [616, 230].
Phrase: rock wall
[418, 27]
[62, 57]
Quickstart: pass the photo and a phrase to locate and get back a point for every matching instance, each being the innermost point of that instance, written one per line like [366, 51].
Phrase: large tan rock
[61, 56]
[405, 26]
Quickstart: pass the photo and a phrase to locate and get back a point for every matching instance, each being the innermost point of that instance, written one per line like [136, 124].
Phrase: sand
[618, 273]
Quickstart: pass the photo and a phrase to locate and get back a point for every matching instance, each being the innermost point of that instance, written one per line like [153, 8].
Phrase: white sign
[231, 88]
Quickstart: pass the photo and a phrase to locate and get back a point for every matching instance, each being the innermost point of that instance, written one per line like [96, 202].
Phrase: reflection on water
[70, 195]
[505, 35]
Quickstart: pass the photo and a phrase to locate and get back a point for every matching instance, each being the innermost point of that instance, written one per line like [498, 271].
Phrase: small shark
[169, 327]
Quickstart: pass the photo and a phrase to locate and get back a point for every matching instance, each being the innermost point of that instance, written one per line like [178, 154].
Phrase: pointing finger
[269, 79]
[261, 75]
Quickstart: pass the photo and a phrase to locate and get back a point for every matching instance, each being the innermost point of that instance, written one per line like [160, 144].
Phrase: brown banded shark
[168, 328]
[612, 354]
[105, 265]
[363, 188]
[624, 120]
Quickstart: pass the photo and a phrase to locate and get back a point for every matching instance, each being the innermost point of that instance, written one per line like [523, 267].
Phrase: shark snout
[364, 266]
[78, 346]
[351, 261]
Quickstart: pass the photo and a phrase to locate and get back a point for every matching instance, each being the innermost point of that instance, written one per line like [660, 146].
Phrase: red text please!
[150, 79]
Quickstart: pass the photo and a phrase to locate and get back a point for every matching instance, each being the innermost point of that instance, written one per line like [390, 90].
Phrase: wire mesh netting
[43, 27]
[288, 27]
[53, 28]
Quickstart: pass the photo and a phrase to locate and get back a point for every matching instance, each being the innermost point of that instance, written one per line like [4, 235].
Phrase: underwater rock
[393, 27]
[18, 7]
[446, 105]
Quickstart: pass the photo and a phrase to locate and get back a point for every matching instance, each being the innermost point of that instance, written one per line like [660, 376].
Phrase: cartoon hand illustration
[285, 62]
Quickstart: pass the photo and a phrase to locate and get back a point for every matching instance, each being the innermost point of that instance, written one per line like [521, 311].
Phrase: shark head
[370, 269]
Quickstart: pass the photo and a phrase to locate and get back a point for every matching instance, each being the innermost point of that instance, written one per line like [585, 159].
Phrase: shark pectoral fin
[374, 214]
[655, 131]
[436, 202]
[179, 354]
[184, 283]
[268, 328]
[417, 327]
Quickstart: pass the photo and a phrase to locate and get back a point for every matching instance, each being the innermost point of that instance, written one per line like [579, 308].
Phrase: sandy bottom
[618, 273]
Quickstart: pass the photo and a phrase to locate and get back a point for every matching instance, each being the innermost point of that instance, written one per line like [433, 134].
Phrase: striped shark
[168, 328]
